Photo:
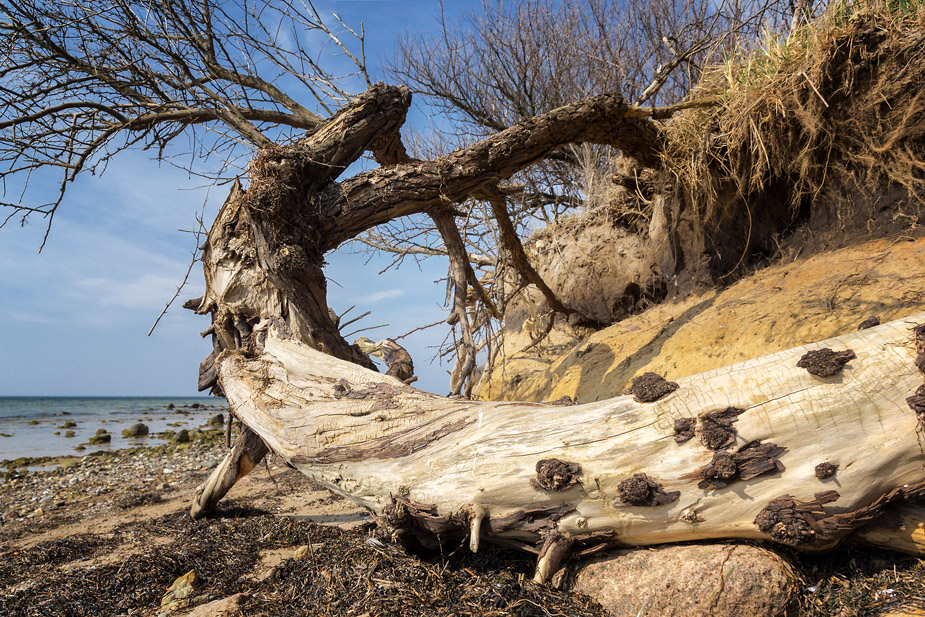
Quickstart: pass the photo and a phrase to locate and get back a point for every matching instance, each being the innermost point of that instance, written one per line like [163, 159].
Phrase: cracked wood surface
[371, 437]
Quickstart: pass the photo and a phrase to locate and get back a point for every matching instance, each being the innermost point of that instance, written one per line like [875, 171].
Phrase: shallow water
[28, 424]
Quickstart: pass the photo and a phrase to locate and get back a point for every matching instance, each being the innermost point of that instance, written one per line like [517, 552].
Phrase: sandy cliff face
[782, 306]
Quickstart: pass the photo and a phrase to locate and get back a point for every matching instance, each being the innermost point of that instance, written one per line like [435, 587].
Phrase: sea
[34, 426]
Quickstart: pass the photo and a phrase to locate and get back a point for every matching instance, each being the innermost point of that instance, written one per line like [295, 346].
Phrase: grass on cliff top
[839, 99]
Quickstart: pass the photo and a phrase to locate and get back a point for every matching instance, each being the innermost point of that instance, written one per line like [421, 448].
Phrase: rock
[226, 607]
[195, 406]
[33, 422]
[99, 438]
[68, 424]
[135, 430]
[101, 431]
[300, 553]
[171, 406]
[181, 437]
[79, 448]
[209, 464]
[177, 594]
[217, 420]
[68, 433]
[689, 581]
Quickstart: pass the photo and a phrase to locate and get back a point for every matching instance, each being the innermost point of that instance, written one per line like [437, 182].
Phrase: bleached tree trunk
[732, 453]
[392, 448]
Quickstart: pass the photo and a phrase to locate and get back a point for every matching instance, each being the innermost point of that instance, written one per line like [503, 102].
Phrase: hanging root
[556, 548]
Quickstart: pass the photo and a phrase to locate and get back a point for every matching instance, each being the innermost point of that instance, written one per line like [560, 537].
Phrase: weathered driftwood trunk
[763, 449]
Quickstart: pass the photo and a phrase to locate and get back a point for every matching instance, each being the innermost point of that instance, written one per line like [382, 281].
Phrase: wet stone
[825, 362]
[684, 429]
[135, 430]
[640, 490]
[650, 387]
[825, 470]
[870, 322]
[555, 475]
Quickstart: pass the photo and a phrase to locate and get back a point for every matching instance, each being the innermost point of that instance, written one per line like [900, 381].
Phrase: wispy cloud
[384, 295]
[30, 318]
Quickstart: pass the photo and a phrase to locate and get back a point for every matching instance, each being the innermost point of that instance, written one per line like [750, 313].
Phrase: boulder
[135, 430]
[181, 437]
[690, 581]
[101, 437]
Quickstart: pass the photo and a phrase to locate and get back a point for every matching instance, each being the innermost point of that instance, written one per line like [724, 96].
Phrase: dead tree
[735, 453]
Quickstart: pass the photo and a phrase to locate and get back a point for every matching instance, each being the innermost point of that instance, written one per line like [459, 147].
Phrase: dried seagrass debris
[825, 470]
[870, 322]
[716, 430]
[684, 429]
[825, 362]
[650, 387]
[640, 490]
[555, 475]
[795, 523]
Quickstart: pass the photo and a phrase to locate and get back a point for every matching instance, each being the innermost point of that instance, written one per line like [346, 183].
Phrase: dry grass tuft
[841, 100]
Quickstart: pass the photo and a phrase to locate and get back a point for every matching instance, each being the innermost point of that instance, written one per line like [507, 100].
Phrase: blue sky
[76, 316]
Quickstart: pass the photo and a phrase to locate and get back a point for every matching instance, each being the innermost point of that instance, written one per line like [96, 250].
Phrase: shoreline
[32, 435]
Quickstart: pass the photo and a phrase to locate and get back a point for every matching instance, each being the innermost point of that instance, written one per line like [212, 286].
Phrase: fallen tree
[801, 447]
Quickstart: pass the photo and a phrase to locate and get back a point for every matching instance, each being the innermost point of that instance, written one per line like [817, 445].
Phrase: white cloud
[384, 295]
